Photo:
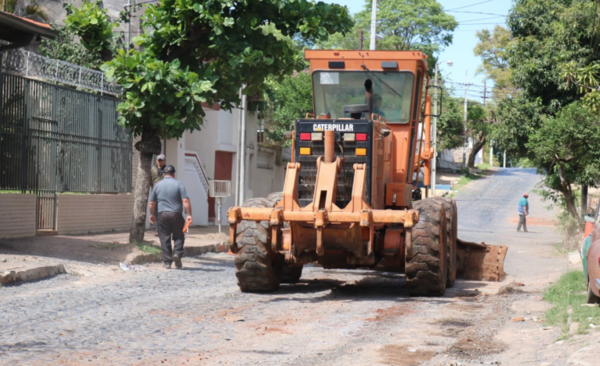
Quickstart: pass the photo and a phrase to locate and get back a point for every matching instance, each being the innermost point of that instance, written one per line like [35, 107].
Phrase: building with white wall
[212, 154]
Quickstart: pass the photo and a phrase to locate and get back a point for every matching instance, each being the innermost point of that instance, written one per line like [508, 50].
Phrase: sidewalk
[93, 255]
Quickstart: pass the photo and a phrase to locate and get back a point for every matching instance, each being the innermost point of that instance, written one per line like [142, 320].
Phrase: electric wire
[468, 6]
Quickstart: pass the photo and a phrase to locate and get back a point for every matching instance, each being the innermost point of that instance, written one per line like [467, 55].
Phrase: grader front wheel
[257, 268]
[451, 237]
[426, 259]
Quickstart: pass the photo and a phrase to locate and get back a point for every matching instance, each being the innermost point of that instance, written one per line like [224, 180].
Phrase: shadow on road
[372, 287]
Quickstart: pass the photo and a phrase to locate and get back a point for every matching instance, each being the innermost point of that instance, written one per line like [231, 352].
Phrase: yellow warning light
[361, 151]
[305, 151]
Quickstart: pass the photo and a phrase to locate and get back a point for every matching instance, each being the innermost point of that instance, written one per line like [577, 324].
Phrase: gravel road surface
[197, 316]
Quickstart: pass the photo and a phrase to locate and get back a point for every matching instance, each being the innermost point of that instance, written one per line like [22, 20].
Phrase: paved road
[197, 316]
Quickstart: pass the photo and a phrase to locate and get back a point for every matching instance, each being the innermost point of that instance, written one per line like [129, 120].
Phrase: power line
[468, 6]
[478, 12]
[476, 20]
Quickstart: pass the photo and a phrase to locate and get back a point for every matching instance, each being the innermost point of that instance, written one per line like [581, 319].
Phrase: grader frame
[390, 232]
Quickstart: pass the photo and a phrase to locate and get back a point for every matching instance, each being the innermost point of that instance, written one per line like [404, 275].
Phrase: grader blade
[479, 261]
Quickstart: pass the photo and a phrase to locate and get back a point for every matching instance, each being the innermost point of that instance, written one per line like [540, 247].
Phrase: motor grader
[351, 196]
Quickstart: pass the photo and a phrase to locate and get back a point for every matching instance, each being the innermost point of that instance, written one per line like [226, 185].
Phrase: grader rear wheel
[426, 260]
[451, 236]
[258, 269]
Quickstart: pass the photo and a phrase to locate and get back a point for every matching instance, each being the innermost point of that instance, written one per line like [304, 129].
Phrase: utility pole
[240, 186]
[491, 147]
[360, 42]
[434, 131]
[373, 25]
[504, 165]
[465, 122]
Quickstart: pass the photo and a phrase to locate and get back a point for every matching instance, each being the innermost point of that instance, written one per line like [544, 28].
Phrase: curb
[31, 274]
[188, 252]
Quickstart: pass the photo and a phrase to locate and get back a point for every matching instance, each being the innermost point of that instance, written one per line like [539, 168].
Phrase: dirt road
[197, 316]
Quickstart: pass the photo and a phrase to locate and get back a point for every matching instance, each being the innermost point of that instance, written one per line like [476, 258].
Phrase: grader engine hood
[353, 144]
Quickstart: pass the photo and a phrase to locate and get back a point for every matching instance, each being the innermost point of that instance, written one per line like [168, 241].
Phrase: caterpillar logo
[333, 127]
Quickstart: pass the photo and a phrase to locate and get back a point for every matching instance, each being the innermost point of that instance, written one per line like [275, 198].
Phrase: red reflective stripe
[305, 136]
[361, 137]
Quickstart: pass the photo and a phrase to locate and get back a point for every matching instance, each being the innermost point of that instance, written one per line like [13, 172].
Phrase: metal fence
[56, 139]
[32, 65]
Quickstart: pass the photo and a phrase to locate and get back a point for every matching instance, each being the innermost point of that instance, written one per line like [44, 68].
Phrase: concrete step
[46, 232]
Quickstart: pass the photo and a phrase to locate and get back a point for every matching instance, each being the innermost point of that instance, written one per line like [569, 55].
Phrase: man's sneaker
[177, 261]
[167, 265]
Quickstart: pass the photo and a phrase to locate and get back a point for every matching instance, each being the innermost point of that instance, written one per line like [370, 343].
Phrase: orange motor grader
[351, 197]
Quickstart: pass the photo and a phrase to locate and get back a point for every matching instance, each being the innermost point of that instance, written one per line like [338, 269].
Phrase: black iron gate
[57, 139]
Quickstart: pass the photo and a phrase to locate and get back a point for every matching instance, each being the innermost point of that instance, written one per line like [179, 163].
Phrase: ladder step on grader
[350, 197]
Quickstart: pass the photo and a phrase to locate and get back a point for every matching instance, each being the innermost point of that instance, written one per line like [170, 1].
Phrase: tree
[567, 147]
[87, 38]
[548, 35]
[405, 25]
[93, 26]
[493, 50]
[450, 124]
[203, 51]
[286, 101]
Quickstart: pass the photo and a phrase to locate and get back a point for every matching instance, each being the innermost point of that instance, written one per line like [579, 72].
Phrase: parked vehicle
[590, 258]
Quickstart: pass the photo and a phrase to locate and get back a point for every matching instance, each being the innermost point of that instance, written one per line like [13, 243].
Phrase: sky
[460, 52]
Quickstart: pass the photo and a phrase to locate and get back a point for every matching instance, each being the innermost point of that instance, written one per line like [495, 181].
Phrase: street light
[434, 128]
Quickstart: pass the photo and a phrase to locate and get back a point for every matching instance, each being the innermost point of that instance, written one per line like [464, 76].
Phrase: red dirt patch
[535, 221]
[391, 312]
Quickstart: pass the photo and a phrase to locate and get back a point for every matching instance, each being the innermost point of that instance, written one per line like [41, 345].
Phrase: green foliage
[493, 50]
[568, 144]
[566, 148]
[404, 24]
[517, 118]
[286, 101]
[450, 124]
[65, 47]
[547, 35]
[587, 81]
[160, 96]
[569, 293]
[203, 51]
[92, 25]
[147, 248]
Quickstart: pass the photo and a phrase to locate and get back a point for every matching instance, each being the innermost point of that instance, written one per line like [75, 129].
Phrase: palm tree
[26, 9]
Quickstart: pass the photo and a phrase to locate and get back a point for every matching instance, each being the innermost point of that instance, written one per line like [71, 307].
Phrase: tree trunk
[584, 197]
[477, 145]
[567, 191]
[149, 145]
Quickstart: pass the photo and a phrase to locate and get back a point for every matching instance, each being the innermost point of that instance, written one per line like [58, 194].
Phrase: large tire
[591, 296]
[426, 264]
[451, 237]
[257, 268]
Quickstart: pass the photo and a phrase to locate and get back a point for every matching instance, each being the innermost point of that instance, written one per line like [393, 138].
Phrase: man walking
[169, 198]
[156, 175]
[523, 212]
[157, 171]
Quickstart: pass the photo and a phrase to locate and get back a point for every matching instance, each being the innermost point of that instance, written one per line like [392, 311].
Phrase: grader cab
[351, 197]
